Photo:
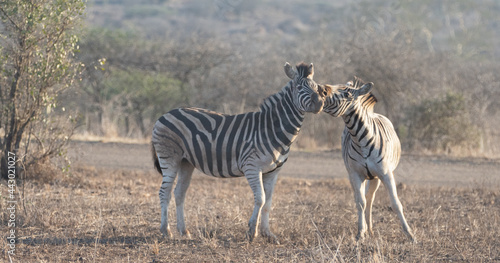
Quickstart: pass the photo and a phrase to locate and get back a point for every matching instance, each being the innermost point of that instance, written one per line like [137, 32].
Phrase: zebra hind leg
[185, 174]
[358, 186]
[390, 185]
[169, 166]
[370, 196]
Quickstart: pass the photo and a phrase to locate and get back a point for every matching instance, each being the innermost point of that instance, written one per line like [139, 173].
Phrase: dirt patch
[412, 170]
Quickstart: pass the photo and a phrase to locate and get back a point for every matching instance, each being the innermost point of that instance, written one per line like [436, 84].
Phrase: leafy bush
[143, 96]
[38, 43]
[144, 11]
[442, 124]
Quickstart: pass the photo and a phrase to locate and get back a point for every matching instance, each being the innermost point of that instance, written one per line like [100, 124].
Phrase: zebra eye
[299, 87]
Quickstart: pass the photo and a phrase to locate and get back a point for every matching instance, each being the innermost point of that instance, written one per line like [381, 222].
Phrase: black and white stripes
[370, 147]
[214, 142]
[254, 144]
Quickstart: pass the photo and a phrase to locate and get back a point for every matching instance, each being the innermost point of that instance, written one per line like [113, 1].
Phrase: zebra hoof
[252, 232]
[167, 233]
[251, 236]
[186, 234]
[273, 239]
[270, 237]
[360, 237]
[413, 239]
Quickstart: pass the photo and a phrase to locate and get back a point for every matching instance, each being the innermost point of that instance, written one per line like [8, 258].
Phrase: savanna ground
[108, 210]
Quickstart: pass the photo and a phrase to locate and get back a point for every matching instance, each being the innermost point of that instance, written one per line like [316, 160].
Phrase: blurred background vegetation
[434, 64]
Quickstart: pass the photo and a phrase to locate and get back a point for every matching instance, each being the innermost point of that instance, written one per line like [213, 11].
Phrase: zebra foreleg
[370, 196]
[255, 181]
[185, 174]
[390, 185]
[358, 185]
[269, 181]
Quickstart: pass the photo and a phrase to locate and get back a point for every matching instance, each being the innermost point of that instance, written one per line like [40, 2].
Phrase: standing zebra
[253, 144]
[370, 148]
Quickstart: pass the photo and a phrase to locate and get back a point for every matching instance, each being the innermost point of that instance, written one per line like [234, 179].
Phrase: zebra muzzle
[316, 103]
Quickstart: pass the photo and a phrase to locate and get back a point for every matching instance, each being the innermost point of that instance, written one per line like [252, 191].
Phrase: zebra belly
[354, 160]
[217, 164]
[368, 168]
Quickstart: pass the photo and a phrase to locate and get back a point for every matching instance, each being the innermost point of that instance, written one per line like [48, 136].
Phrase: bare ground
[412, 170]
[108, 211]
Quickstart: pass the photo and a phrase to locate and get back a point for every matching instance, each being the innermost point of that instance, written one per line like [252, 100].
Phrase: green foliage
[139, 97]
[38, 45]
[146, 91]
[145, 11]
[98, 47]
[442, 124]
[232, 51]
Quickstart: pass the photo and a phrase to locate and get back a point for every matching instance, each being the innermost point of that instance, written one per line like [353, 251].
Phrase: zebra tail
[155, 158]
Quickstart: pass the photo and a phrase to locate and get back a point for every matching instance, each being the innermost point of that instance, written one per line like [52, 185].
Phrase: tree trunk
[140, 123]
[99, 121]
[13, 124]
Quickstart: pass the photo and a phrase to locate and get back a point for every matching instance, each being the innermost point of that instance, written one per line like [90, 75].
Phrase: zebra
[253, 144]
[370, 148]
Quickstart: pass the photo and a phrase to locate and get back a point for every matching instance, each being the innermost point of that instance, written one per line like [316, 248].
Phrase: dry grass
[114, 216]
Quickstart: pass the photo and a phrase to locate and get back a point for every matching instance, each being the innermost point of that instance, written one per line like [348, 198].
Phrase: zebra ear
[365, 89]
[289, 71]
[311, 71]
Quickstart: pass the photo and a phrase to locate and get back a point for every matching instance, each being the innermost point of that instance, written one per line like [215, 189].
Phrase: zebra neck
[359, 123]
[282, 121]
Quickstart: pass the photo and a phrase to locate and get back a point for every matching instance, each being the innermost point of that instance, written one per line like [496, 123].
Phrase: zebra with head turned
[253, 144]
[370, 148]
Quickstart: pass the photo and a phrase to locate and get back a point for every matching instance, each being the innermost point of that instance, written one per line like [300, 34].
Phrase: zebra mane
[369, 100]
[356, 83]
[275, 97]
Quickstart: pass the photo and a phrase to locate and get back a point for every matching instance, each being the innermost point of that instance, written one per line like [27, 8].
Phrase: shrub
[442, 124]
